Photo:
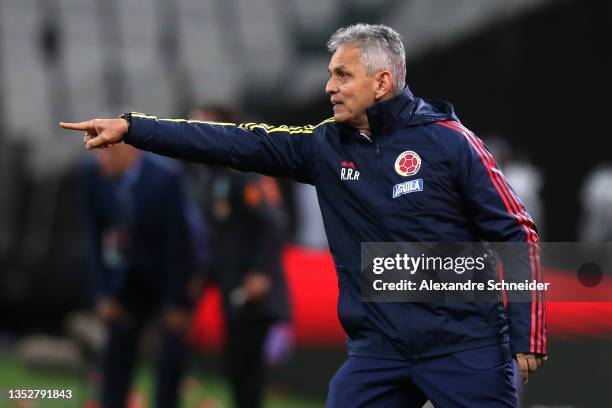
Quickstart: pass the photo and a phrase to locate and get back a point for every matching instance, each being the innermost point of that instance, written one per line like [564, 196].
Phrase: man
[248, 231]
[141, 261]
[400, 354]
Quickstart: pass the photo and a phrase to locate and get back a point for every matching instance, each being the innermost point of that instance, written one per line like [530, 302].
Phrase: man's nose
[330, 87]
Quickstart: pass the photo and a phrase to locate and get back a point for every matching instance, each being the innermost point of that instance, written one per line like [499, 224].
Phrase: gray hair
[381, 49]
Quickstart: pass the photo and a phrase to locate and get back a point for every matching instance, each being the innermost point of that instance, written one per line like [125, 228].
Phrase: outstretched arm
[275, 151]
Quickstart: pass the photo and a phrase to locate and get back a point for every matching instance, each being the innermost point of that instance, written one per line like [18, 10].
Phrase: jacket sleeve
[274, 151]
[499, 216]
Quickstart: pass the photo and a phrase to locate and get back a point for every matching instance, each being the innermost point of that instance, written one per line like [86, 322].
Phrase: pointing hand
[100, 133]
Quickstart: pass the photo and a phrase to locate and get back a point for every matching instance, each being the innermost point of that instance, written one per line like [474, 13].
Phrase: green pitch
[196, 389]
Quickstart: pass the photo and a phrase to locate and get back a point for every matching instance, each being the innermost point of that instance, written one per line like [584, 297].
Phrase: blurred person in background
[596, 218]
[141, 262]
[596, 196]
[248, 223]
[400, 353]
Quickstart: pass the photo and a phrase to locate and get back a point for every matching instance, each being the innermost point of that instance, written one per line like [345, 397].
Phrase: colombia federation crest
[407, 163]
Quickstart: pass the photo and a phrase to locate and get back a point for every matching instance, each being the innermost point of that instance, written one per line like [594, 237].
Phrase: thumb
[87, 125]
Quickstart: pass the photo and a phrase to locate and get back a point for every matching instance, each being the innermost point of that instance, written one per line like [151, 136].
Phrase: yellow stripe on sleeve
[247, 126]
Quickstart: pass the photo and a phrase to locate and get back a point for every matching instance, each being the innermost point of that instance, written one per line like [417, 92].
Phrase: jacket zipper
[380, 178]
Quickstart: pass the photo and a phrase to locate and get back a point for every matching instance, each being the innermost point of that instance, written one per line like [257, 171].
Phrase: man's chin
[341, 118]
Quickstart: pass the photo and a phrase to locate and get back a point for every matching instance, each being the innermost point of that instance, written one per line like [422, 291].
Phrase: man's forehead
[345, 55]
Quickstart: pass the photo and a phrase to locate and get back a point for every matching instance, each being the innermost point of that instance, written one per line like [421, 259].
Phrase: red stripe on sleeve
[515, 208]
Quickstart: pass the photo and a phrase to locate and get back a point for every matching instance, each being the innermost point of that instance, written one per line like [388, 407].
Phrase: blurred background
[530, 77]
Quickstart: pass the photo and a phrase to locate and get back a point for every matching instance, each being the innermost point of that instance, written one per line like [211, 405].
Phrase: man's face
[350, 89]
[116, 159]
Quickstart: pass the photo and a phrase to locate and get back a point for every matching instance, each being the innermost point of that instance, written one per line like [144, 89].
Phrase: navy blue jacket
[153, 242]
[465, 199]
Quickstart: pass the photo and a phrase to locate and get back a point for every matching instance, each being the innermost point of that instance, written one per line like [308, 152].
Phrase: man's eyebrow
[337, 69]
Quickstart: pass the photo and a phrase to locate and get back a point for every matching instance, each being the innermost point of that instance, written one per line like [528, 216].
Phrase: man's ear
[384, 84]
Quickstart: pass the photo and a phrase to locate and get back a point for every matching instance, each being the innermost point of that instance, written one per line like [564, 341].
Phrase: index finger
[77, 125]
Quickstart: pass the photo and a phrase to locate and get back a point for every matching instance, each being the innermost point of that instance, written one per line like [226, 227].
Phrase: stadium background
[534, 71]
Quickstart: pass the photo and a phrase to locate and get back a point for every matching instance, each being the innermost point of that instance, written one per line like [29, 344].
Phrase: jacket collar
[386, 114]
